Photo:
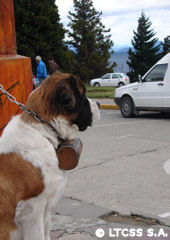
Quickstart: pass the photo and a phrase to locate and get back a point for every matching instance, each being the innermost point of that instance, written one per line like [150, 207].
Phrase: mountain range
[120, 56]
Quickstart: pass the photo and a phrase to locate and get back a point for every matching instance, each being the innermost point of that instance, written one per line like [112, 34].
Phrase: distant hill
[120, 56]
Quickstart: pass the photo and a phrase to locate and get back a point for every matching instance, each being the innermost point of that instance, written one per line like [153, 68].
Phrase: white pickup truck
[152, 92]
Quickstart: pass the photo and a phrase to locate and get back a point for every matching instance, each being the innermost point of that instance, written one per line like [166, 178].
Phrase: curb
[109, 106]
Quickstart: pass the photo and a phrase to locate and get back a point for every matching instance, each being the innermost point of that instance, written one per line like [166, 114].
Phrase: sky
[121, 16]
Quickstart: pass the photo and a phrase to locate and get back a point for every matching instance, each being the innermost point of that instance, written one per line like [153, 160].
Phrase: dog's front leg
[30, 219]
[47, 221]
[34, 231]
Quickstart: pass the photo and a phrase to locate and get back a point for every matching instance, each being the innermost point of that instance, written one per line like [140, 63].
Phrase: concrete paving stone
[92, 231]
[79, 209]
[76, 236]
[106, 230]
[71, 224]
[58, 222]
[89, 234]
[156, 233]
[65, 227]
[56, 234]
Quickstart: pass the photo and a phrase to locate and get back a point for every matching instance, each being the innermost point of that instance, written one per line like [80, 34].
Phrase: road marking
[164, 215]
[166, 166]
[126, 136]
[117, 124]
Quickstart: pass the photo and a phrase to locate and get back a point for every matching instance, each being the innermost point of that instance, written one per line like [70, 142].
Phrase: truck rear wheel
[127, 107]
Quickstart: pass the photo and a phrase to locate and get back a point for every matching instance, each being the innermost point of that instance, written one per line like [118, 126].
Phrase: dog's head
[64, 96]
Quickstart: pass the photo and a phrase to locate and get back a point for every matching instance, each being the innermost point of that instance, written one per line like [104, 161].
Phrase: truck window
[156, 74]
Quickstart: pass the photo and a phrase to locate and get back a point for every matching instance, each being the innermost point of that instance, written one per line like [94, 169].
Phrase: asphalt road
[121, 167]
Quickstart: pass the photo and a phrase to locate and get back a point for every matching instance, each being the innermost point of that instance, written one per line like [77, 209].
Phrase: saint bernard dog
[31, 182]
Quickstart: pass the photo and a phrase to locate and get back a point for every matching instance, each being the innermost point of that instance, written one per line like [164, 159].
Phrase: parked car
[111, 79]
[151, 92]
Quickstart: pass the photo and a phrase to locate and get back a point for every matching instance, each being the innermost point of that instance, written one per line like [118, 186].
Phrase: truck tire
[127, 107]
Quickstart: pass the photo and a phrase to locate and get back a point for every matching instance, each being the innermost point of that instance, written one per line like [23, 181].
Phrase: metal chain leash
[24, 109]
[20, 105]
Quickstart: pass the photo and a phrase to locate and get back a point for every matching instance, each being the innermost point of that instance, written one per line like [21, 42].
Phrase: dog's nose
[98, 104]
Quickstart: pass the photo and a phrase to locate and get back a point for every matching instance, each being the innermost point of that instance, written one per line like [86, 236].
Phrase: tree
[145, 52]
[166, 45]
[90, 41]
[39, 31]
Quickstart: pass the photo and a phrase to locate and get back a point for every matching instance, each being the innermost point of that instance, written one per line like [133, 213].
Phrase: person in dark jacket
[53, 66]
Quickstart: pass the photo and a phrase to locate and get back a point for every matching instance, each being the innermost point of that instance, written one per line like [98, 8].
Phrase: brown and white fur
[31, 182]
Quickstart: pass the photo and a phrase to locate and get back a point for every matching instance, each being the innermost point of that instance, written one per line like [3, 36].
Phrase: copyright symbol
[100, 233]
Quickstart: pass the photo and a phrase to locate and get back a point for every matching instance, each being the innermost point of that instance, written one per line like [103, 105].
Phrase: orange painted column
[15, 70]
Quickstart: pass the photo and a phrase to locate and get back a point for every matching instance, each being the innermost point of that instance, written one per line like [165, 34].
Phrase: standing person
[41, 69]
[53, 66]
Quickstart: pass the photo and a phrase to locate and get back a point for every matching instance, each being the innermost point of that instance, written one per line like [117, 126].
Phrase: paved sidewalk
[78, 220]
[106, 103]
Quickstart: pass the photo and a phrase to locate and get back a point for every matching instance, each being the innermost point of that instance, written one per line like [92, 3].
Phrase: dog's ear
[63, 98]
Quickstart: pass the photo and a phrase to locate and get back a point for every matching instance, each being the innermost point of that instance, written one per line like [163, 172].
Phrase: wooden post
[15, 70]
